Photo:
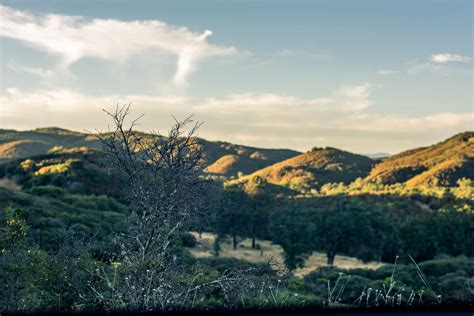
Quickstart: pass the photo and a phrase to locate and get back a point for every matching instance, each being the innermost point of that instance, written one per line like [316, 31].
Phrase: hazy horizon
[247, 145]
[362, 76]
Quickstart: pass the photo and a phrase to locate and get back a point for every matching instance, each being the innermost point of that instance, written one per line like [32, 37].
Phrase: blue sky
[365, 76]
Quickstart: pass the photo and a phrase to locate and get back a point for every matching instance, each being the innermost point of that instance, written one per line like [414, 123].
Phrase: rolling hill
[220, 157]
[440, 164]
[229, 159]
[22, 144]
[315, 168]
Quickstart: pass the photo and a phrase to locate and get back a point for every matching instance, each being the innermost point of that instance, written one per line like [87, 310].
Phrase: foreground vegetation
[83, 229]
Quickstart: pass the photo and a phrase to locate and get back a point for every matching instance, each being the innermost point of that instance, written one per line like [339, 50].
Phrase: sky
[365, 76]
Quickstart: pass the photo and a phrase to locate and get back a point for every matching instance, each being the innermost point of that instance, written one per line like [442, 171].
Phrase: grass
[244, 251]
[9, 184]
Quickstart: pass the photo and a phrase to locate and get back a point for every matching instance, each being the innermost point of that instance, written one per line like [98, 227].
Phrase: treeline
[370, 228]
[345, 220]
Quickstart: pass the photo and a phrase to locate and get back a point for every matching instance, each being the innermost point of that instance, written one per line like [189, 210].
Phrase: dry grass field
[9, 184]
[268, 250]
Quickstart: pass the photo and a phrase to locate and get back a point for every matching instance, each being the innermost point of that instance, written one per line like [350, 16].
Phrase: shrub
[188, 240]
[48, 190]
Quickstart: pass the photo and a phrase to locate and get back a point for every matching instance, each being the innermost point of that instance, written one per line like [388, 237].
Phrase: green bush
[188, 240]
[48, 190]
[442, 267]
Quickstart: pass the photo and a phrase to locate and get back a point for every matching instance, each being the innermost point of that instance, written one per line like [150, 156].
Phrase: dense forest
[108, 221]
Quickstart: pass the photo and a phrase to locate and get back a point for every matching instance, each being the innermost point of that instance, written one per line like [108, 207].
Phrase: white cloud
[71, 107]
[356, 91]
[446, 58]
[349, 98]
[257, 119]
[439, 64]
[355, 97]
[387, 72]
[285, 52]
[36, 71]
[436, 69]
[73, 38]
[410, 125]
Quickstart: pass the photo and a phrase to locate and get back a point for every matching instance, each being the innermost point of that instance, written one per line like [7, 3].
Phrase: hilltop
[230, 159]
[22, 144]
[315, 168]
[221, 158]
[441, 164]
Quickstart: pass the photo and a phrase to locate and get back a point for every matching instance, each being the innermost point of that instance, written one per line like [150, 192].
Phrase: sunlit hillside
[221, 158]
[315, 168]
[440, 164]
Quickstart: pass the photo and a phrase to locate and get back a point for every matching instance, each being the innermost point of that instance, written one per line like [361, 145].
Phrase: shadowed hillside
[441, 164]
[315, 168]
[221, 157]
[229, 159]
[21, 144]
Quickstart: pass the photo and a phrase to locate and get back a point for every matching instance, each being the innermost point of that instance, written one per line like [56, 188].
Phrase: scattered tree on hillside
[292, 229]
[261, 203]
[345, 227]
[233, 213]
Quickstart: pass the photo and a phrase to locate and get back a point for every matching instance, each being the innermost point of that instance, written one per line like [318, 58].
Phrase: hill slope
[440, 164]
[220, 157]
[315, 168]
[229, 159]
[22, 144]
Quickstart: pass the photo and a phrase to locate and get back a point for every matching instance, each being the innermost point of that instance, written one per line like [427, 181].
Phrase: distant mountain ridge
[441, 164]
[221, 158]
[379, 155]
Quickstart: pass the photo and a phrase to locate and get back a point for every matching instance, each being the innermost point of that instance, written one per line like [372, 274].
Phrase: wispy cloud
[447, 58]
[285, 52]
[349, 98]
[436, 69]
[438, 64]
[73, 38]
[356, 97]
[411, 125]
[259, 119]
[387, 72]
[36, 71]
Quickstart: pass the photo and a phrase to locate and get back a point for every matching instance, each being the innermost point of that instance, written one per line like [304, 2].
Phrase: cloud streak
[387, 72]
[348, 98]
[285, 52]
[258, 119]
[437, 64]
[74, 37]
[447, 58]
[36, 71]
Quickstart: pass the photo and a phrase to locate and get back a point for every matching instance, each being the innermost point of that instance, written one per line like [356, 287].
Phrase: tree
[455, 232]
[161, 182]
[346, 227]
[419, 238]
[232, 215]
[162, 186]
[15, 260]
[291, 228]
[260, 204]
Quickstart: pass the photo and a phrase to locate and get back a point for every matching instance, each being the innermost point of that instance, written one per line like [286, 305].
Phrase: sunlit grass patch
[268, 250]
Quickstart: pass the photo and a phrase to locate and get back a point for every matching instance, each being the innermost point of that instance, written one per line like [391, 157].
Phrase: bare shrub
[162, 184]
